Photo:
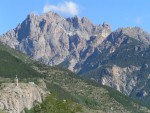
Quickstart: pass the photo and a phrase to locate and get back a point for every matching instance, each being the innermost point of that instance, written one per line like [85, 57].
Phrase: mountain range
[39, 82]
[118, 59]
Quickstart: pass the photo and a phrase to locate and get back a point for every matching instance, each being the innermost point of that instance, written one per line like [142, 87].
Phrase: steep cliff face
[121, 79]
[136, 33]
[14, 99]
[122, 61]
[53, 39]
[119, 59]
[118, 47]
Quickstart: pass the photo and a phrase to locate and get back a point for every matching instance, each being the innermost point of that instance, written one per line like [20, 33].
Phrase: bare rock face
[121, 61]
[10, 40]
[14, 99]
[53, 39]
[81, 46]
[137, 33]
[122, 79]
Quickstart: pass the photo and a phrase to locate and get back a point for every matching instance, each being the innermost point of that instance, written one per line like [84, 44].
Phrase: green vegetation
[11, 66]
[52, 104]
[87, 92]
[2, 111]
[80, 94]
[130, 53]
[62, 94]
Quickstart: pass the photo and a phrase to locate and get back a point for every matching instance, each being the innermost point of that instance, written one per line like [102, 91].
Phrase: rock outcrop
[83, 47]
[122, 61]
[53, 39]
[14, 99]
[121, 79]
[136, 33]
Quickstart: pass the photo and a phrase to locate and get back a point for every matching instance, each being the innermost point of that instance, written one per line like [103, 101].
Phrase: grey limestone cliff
[14, 99]
[53, 39]
[83, 47]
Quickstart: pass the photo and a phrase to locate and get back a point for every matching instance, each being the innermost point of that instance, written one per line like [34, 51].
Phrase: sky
[117, 13]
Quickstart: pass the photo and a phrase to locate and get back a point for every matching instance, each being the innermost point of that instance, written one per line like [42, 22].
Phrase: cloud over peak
[67, 8]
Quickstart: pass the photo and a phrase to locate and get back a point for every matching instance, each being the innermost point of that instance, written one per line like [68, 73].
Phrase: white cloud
[68, 8]
[138, 20]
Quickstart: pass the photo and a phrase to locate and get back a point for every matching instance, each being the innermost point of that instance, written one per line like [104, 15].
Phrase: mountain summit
[118, 59]
[53, 39]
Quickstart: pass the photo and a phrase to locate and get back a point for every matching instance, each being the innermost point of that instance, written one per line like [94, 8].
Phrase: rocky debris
[121, 79]
[14, 99]
[79, 45]
[123, 57]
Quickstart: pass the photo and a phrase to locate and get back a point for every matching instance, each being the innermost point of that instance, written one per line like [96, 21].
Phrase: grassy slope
[91, 95]
[65, 84]
[125, 56]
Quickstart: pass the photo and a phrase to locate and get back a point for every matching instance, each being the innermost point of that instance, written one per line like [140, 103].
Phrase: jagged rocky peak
[48, 38]
[106, 25]
[51, 17]
[75, 21]
[85, 20]
[41, 20]
[48, 15]
[106, 29]
[31, 16]
[72, 19]
[51, 14]
[78, 22]
[9, 38]
[136, 33]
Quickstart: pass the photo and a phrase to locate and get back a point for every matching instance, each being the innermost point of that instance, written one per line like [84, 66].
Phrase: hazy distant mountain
[118, 59]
